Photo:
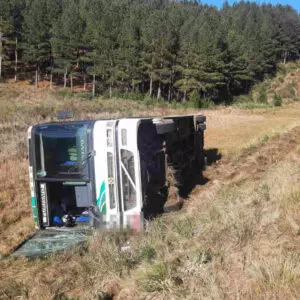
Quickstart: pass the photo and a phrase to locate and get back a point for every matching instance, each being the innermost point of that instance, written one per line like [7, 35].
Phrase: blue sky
[294, 3]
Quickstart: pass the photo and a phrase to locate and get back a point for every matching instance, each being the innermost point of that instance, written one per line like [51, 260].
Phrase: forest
[165, 49]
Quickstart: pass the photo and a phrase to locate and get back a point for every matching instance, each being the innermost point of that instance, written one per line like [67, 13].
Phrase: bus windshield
[62, 150]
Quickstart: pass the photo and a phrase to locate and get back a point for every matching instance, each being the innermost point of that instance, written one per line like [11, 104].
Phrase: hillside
[237, 236]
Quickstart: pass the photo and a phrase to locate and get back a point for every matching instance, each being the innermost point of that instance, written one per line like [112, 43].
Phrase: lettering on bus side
[82, 148]
[44, 204]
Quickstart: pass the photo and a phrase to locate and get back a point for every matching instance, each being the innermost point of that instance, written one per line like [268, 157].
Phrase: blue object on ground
[57, 220]
[82, 219]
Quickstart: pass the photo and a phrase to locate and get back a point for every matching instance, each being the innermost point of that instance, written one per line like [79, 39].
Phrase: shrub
[197, 102]
[293, 92]
[114, 93]
[63, 93]
[148, 100]
[133, 96]
[243, 98]
[147, 253]
[161, 103]
[266, 138]
[87, 96]
[175, 104]
[277, 100]
[262, 95]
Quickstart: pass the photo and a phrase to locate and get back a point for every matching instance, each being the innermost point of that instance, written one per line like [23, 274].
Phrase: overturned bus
[109, 173]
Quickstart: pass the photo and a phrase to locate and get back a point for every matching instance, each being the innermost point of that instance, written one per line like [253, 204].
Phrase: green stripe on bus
[33, 201]
[101, 201]
[34, 212]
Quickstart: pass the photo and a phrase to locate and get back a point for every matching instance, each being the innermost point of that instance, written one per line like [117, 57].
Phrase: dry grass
[236, 237]
[231, 130]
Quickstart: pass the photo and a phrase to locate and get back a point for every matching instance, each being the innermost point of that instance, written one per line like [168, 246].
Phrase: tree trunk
[158, 92]
[1, 55]
[84, 82]
[51, 80]
[228, 88]
[169, 94]
[184, 96]
[285, 57]
[170, 87]
[71, 82]
[65, 77]
[37, 77]
[94, 84]
[16, 60]
[0, 67]
[110, 90]
[151, 86]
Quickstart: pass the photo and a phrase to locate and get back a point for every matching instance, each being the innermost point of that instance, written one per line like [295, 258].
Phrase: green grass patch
[151, 278]
[252, 105]
[185, 227]
[266, 138]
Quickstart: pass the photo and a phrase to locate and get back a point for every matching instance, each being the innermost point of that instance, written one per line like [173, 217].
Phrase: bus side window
[128, 179]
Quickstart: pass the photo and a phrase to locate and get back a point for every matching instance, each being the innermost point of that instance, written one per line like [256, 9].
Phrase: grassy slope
[237, 236]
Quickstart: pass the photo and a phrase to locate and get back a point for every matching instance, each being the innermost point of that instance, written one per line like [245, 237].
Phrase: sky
[293, 3]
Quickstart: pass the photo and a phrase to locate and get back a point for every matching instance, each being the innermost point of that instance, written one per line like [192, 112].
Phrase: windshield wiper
[42, 172]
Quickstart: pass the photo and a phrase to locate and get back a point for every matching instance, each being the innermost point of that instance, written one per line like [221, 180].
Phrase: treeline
[167, 49]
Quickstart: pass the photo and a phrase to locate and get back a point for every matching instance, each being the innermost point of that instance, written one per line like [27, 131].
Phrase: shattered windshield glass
[48, 241]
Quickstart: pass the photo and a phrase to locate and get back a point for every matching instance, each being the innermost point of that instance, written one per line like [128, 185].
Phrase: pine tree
[17, 8]
[128, 53]
[187, 66]
[67, 40]
[6, 28]
[162, 47]
[158, 56]
[37, 47]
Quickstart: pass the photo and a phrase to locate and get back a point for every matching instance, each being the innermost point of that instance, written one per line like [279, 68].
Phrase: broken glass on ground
[50, 240]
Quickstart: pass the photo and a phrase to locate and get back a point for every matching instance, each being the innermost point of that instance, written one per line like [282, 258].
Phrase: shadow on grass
[212, 155]
[194, 178]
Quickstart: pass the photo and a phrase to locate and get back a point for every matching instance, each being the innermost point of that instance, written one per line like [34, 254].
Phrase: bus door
[113, 205]
[129, 172]
[106, 173]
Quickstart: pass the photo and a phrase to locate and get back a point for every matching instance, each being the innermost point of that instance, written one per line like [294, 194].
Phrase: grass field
[237, 236]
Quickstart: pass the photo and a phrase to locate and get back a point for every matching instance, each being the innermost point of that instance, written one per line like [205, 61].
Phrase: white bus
[109, 173]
